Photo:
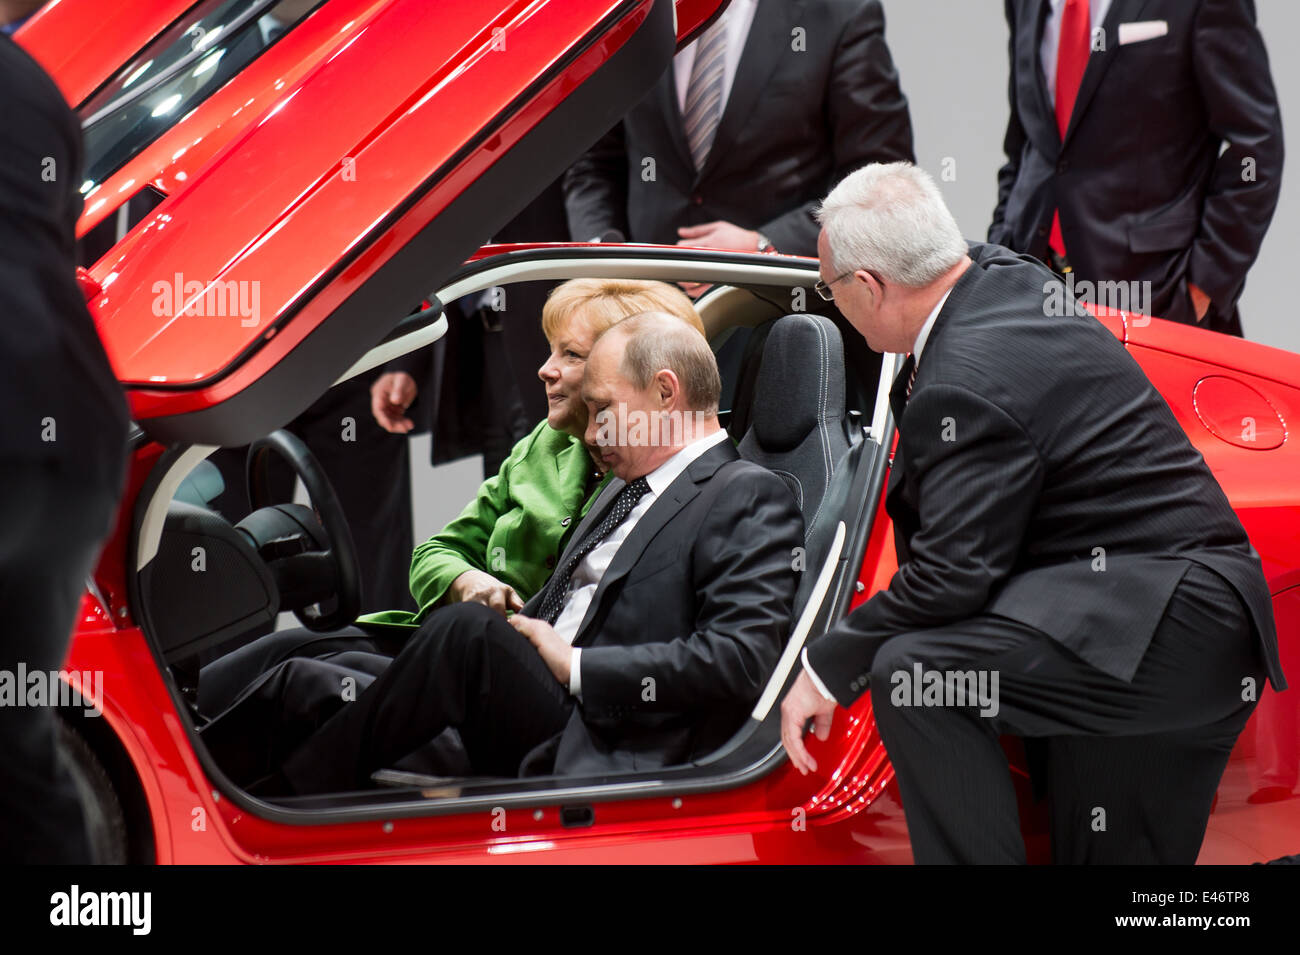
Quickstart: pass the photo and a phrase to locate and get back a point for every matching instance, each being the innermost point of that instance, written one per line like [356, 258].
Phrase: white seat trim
[795, 644]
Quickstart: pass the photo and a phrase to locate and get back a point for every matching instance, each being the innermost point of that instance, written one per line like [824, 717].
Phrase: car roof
[361, 130]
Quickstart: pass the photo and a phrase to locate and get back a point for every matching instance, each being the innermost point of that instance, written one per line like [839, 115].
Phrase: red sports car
[269, 188]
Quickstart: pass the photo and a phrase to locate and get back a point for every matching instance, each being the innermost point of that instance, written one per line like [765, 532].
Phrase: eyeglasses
[824, 288]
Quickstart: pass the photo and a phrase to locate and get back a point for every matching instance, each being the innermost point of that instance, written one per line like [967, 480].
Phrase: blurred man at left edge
[62, 452]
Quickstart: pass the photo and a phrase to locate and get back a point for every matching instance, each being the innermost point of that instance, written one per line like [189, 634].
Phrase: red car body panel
[82, 45]
[262, 196]
[279, 212]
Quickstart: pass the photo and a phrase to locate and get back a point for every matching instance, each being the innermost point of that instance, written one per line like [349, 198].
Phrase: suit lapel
[898, 391]
[599, 508]
[667, 506]
[769, 34]
[666, 94]
[1028, 46]
[594, 514]
[1121, 11]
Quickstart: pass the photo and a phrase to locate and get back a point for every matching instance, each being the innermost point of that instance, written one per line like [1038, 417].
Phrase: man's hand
[719, 235]
[715, 235]
[1200, 301]
[390, 396]
[802, 703]
[474, 586]
[553, 648]
[695, 289]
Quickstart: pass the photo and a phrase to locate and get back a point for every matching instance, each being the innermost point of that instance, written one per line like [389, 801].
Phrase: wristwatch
[765, 244]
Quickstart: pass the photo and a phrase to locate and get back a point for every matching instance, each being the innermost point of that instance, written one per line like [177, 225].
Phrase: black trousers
[465, 667]
[1132, 768]
[231, 675]
[251, 738]
[54, 526]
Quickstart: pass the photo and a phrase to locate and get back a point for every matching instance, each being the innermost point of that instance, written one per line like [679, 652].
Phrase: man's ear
[667, 386]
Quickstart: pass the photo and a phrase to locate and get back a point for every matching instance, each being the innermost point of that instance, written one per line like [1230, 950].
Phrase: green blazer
[515, 528]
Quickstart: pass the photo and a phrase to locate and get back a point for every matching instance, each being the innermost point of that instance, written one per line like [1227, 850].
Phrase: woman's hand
[477, 587]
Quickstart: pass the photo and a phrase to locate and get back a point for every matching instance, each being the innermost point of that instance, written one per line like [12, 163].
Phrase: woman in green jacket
[504, 545]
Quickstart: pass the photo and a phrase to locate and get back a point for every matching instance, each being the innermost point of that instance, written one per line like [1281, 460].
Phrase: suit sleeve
[595, 188]
[978, 478]
[1013, 140]
[1232, 72]
[867, 117]
[743, 560]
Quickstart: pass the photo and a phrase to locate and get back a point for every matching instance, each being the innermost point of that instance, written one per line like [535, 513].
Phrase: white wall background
[952, 60]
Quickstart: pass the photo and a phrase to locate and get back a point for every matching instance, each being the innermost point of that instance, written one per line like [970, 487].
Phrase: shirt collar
[666, 473]
[924, 335]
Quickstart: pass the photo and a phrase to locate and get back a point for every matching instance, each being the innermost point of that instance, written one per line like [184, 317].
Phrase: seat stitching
[822, 431]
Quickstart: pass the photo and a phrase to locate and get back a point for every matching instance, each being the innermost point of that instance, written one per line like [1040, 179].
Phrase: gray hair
[890, 218]
[654, 341]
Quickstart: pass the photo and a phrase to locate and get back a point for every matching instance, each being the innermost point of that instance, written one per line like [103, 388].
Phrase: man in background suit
[62, 449]
[756, 119]
[476, 386]
[1144, 145]
[1057, 533]
[659, 628]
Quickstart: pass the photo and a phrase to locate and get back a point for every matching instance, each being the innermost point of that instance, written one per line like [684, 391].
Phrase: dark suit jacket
[1143, 191]
[52, 364]
[688, 622]
[478, 387]
[1028, 443]
[795, 123]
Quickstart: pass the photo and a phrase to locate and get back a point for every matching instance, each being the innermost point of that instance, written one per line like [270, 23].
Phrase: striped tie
[911, 379]
[704, 94]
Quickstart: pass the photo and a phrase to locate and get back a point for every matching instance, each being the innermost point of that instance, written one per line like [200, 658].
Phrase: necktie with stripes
[704, 93]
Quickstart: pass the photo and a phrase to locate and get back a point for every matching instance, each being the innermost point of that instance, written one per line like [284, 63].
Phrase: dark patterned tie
[911, 379]
[703, 108]
[557, 591]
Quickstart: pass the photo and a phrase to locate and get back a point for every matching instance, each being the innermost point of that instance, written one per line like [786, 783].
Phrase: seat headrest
[800, 383]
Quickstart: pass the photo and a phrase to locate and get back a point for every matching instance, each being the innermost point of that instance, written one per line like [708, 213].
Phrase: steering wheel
[326, 570]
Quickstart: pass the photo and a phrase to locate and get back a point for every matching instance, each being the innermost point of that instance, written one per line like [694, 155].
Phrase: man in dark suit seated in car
[656, 634]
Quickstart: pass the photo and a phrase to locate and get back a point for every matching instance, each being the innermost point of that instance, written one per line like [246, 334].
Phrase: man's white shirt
[586, 576]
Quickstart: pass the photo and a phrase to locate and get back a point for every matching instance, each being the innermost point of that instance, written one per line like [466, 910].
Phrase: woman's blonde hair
[603, 303]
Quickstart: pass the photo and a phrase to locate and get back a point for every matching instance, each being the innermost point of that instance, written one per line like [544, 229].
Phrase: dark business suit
[1144, 193]
[681, 636]
[62, 448]
[795, 123]
[1054, 524]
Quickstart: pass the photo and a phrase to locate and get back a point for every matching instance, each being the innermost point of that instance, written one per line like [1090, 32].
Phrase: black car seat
[798, 428]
